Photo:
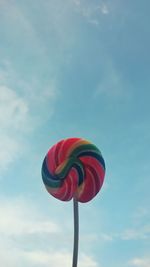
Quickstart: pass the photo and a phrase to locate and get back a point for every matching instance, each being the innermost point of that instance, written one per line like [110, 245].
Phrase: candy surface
[73, 168]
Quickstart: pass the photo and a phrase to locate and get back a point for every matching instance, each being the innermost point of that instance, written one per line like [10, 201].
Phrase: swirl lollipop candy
[73, 168]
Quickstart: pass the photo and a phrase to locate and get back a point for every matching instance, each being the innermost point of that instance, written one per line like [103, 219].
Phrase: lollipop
[73, 168]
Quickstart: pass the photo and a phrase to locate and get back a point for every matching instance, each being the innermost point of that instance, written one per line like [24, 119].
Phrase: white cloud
[22, 111]
[137, 233]
[29, 238]
[140, 262]
[9, 150]
[111, 84]
[141, 213]
[14, 17]
[106, 237]
[20, 217]
[130, 234]
[91, 11]
[87, 261]
[13, 110]
[104, 9]
[77, 2]
[17, 257]
[60, 259]
[22, 227]
[13, 120]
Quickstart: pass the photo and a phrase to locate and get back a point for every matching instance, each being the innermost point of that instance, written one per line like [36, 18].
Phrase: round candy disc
[73, 168]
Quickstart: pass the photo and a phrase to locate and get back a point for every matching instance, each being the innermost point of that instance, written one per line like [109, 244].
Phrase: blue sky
[74, 68]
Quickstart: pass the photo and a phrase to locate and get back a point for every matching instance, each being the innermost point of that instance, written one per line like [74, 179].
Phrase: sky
[75, 68]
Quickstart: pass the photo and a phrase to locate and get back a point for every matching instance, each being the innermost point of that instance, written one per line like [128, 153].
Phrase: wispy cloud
[13, 257]
[13, 119]
[104, 9]
[136, 234]
[60, 259]
[18, 219]
[107, 237]
[29, 237]
[130, 234]
[12, 15]
[13, 109]
[91, 11]
[10, 149]
[111, 84]
[141, 213]
[141, 226]
[140, 262]
[23, 107]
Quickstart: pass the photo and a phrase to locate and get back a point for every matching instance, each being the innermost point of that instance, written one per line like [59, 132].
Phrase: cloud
[29, 238]
[59, 259]
[91, 12]
[112, 84]
[23, 108]
[130, 234]
[140, 262]
[77, 2]
[10, 149]
[24, 233]
[13, 109]
[136, 234]
[104, 9]
[141, 213]
[13, 119]
[13, 257]
[106, 237]
[18, 219]
[141, 229]
[14, 17]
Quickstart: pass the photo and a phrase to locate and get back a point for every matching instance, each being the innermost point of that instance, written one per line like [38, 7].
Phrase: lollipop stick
[76, 233]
